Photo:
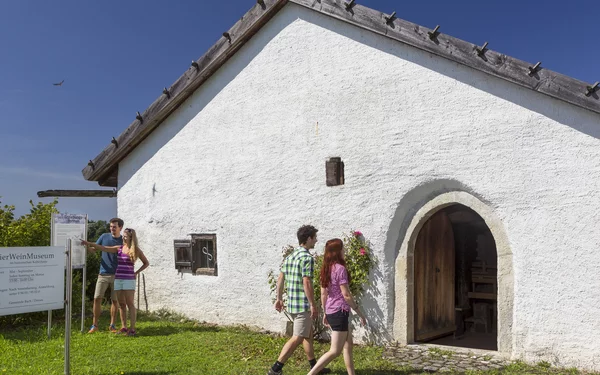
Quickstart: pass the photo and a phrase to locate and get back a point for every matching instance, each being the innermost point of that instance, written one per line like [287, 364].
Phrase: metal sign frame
[82, 267]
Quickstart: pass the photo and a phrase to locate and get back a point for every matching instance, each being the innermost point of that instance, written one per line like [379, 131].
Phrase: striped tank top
[125, 266]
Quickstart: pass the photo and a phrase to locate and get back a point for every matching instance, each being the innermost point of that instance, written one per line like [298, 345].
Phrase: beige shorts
[302, 324]
[104, 282]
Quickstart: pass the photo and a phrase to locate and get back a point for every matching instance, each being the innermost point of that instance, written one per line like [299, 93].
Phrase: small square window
[204, 250]
[197, 256]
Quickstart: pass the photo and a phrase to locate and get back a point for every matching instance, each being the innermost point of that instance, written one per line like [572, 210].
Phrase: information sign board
[73, 226]
[31, 279]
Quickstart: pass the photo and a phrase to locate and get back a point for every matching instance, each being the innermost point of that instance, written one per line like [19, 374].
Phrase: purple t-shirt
[335, 299]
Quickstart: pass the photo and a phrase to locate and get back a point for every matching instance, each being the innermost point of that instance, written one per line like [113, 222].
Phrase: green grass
[171, 344]
[163, 347]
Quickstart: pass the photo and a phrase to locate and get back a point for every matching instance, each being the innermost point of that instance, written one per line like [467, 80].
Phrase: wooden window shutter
[184, 260]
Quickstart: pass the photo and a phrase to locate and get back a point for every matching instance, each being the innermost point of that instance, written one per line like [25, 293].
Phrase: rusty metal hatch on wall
[334, 170]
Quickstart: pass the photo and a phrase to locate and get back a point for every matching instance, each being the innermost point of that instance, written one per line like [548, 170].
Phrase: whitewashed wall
[245, 156]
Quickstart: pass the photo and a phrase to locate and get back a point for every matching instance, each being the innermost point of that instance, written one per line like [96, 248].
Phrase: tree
[96, 229]
[6, 218]
[32, 229]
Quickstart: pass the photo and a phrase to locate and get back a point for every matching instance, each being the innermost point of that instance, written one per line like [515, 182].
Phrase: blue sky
[116, 56]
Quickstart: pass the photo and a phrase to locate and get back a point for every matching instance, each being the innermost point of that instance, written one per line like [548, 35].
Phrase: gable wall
[244, 158]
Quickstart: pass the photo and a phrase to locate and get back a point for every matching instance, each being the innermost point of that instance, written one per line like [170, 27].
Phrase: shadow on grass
[28, 334]
[140, 373]
[173, 330]
[34, 334]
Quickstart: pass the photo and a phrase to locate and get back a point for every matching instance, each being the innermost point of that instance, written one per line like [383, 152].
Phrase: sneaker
[113, 329]
[326, 370]
[131, 332]
[271, 372]
[93, 329]
[122, 331]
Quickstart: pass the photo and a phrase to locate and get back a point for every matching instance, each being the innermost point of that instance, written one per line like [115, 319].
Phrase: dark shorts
[338, 321]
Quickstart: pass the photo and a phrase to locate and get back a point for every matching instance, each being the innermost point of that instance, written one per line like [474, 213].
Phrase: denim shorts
[338, 321]
[121, 284]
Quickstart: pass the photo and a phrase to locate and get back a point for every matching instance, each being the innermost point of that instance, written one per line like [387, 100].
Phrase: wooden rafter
[78, 193]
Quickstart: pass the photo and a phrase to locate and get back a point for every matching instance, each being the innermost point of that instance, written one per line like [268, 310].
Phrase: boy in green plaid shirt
[297, 266]
[297, 273]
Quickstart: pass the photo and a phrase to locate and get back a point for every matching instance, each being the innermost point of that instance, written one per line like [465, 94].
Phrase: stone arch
[403, 326]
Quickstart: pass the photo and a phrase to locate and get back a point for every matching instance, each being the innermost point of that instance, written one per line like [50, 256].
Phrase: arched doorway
[459, 204]
[455, 280]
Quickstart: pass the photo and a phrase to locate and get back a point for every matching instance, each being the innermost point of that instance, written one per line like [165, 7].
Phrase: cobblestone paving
[430, 359]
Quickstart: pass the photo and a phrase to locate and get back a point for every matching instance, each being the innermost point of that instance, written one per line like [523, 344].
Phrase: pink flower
[362, 251]
[357, 233]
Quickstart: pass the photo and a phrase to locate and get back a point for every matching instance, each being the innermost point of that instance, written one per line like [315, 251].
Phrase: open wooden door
[434, 279]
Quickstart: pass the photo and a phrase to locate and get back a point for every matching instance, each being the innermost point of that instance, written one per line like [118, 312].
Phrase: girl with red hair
[337, 300]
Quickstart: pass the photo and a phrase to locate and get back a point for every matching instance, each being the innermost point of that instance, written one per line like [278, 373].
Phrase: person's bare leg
[131, 306]
[337, 345]
[348, 360]
[122, 308]
[289, 347]
[97, 310]
[114, 307]
[117, 308]
[309, 347]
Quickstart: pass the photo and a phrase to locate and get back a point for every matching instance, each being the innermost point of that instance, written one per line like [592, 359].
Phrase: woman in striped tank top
[125, 275]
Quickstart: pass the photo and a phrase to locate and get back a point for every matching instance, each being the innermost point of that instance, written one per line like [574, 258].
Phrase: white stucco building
[499, 160]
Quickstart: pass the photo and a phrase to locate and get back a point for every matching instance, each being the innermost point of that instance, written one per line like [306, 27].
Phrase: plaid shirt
[297, 265]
